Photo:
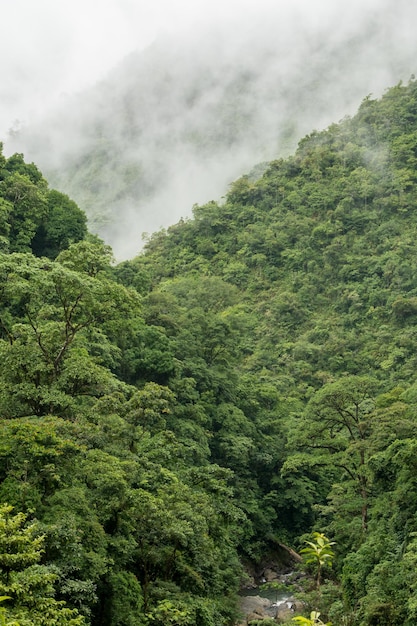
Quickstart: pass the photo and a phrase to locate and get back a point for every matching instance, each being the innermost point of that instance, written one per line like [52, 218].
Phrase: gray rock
[270, 575]
[253, 607]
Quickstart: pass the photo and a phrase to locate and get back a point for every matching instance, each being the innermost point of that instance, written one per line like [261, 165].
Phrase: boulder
[270, 575]
[253, 607]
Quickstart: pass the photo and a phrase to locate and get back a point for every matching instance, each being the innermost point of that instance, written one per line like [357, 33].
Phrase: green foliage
[318, 553]
[167, 613]
[246, 379]
[309, 621]
[124, 600]
[3, 614]
[48, 315]
[63, 225]
[32, 217]
[321, 251]
[28, 585]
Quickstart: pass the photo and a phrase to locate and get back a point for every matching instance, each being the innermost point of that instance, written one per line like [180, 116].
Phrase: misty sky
[50, 48]
[305, 64]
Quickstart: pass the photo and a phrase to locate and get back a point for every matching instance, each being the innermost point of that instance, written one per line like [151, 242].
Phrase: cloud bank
[206, 91]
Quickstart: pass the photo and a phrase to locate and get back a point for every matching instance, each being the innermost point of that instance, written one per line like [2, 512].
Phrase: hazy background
[139, 109]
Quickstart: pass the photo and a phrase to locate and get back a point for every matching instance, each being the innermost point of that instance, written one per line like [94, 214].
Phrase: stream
[277, 600]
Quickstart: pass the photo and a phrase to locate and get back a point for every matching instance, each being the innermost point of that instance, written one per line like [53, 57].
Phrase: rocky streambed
[270, 592]
[260, 607]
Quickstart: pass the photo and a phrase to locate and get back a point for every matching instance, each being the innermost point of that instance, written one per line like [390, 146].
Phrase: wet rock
[286, 610]
[270, 575]
[253, 607]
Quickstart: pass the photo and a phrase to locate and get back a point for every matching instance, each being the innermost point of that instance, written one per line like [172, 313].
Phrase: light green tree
[318, 553]
[313, 620]
[28, 584]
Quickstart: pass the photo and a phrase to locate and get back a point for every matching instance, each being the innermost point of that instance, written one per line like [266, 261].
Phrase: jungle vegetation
[248, 379]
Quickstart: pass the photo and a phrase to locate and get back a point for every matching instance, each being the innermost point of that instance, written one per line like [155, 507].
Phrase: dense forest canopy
[248, 379]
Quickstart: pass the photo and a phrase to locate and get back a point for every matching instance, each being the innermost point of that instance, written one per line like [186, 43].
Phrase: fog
[138, 110]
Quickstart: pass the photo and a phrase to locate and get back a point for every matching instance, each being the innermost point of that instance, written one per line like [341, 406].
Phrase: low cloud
[208, 90]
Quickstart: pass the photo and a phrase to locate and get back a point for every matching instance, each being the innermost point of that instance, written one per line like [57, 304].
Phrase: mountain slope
[331, 228]
[313, 271]
[248, 378]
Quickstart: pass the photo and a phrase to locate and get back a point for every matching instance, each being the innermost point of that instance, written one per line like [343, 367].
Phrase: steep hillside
[321, 246]
[248, 379]
[315, 274]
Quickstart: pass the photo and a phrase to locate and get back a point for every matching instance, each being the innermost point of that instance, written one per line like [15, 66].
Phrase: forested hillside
[248, 379]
